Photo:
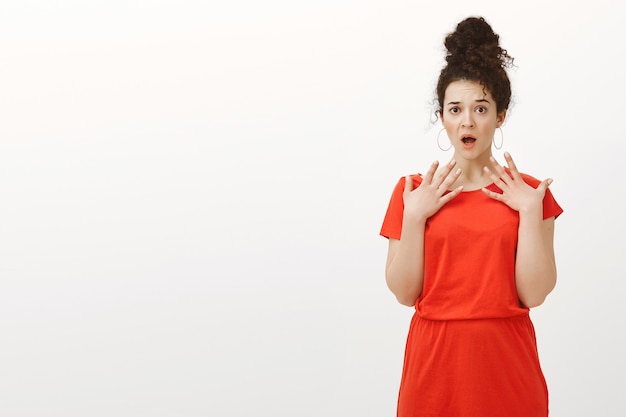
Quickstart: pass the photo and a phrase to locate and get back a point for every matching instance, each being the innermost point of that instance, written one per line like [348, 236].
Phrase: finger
[428, 178]
[449, 180]
[543, 185]
[499, 170]
[495, 178]
[444, 173]
[512, 167]
[446, 198]
[408, 184]
[494, 195]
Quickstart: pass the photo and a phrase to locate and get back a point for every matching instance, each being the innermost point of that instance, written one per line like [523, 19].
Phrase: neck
[473, 175]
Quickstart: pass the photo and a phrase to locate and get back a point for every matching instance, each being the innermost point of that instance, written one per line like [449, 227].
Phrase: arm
[535, 266]
[405, 263]
[404, 271]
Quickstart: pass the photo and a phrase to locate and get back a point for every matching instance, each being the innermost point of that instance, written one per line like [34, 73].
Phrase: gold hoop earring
[438, 144]
[501, 139]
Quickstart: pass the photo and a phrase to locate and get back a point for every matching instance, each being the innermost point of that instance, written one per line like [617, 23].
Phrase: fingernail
[458, 171]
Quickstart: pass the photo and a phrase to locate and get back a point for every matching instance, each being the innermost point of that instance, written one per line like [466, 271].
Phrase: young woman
[471, 248]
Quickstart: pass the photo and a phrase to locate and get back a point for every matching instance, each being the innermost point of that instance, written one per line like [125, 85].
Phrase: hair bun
[474, 54]
[474, 44]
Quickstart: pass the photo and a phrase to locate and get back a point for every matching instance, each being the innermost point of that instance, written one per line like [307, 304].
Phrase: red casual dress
[471, 349]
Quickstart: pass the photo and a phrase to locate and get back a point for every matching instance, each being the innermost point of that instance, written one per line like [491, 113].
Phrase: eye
[454, 110]
[481, 109]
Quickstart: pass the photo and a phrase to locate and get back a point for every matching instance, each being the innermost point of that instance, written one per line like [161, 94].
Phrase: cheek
[447, 122]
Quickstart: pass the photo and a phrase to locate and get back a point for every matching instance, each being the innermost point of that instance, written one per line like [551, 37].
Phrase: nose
[467, 121]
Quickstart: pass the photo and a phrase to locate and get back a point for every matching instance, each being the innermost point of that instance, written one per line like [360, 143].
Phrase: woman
[471, 247]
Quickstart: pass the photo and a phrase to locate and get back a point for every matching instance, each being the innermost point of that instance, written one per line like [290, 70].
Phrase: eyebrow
[480, 100]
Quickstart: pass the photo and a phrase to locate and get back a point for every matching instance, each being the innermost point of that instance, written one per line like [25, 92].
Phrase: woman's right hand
[425, 200]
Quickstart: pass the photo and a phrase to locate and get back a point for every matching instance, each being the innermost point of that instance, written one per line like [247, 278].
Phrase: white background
[191, 195]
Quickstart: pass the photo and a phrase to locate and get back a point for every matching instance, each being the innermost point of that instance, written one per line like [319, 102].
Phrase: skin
[469, 110]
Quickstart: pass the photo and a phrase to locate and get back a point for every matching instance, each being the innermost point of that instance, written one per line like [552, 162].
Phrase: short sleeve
[550, 207]
[392, 223]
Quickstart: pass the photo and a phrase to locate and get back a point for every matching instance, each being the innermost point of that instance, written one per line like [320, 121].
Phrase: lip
[468, 145]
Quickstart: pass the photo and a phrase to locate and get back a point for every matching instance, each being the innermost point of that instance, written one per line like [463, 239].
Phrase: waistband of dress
[522, 316]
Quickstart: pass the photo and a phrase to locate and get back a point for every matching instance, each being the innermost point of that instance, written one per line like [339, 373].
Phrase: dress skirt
[472, 368]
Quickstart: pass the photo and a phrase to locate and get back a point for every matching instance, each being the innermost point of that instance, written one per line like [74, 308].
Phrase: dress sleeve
[550, 207]
[392, 224]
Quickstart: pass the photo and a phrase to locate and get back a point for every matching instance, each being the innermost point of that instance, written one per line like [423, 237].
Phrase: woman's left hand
[516, 193]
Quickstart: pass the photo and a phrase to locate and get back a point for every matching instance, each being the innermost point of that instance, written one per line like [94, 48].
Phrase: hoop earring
[501, 140]
[438, 144]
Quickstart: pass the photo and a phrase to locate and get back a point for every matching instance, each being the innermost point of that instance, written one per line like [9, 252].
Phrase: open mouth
[468, 140]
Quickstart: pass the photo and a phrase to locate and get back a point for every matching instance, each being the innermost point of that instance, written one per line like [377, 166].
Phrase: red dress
[471, 349]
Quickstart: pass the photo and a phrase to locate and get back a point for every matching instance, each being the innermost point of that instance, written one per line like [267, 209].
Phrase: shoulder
[550, 206]
[417, 180]
[398, 189]
[530, 180]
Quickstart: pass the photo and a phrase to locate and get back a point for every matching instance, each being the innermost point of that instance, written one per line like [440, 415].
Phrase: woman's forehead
[464, 90]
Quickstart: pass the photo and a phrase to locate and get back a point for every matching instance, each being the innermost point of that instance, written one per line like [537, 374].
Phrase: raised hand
[516, 193]
[425, 200]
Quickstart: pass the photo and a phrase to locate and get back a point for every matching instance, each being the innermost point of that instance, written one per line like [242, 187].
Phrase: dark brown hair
[474, 54]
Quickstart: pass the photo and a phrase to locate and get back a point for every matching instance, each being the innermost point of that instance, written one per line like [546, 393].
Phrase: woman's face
[470, 118]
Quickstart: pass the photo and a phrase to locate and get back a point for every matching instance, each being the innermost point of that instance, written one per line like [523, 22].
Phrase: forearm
[535, 268]
[405, 270]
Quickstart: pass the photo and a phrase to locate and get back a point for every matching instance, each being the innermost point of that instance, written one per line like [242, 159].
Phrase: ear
[500, 118]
